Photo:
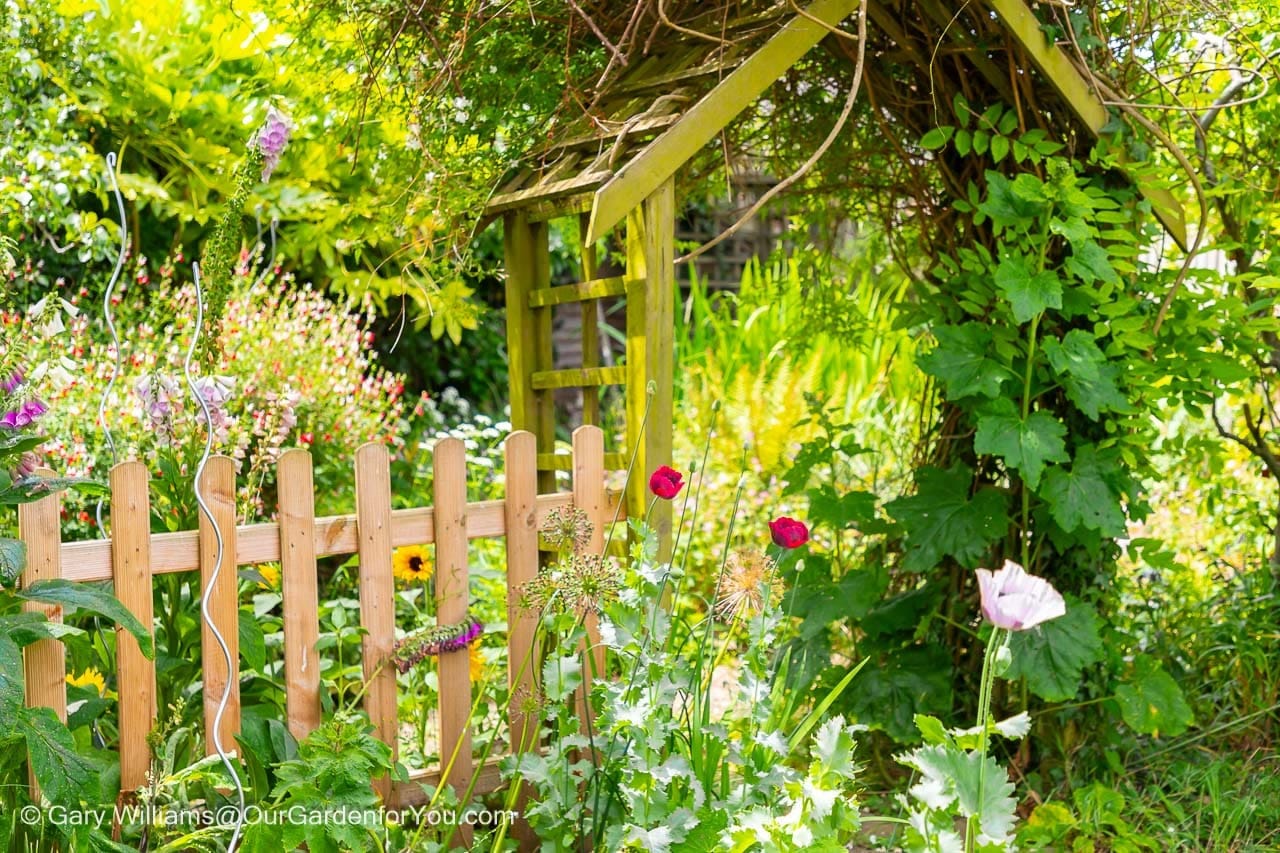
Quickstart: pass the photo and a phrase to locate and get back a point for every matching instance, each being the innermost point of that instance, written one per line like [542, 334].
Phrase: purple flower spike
[1015, 600]
[9, 420]
[271, 139]
[33, 409]
[13, 382]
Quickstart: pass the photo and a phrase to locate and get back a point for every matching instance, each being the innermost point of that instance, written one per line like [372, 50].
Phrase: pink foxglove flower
[271, 139]
[1015, 600]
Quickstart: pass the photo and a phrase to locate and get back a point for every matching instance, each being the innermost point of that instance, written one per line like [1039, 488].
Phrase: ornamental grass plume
[1015, 600]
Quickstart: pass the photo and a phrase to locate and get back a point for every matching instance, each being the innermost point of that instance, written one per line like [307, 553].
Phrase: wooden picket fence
[133, 556]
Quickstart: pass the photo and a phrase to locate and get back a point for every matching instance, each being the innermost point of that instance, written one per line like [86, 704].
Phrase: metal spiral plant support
[108, 316]
[220, 548]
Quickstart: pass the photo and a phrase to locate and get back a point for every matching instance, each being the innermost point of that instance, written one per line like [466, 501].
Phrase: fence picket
[301, 598]
[218, 485]
[131, 569]
[589, 497]
[45, 661]
[453, 599]
[377, 596]
[522, 567]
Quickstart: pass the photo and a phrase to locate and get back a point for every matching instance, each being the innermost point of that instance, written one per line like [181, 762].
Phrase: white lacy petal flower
[1015, 600]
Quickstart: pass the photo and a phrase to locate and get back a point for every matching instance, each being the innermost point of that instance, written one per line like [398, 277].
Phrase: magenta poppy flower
[1015, 600]
[666, 482]
[788, 533]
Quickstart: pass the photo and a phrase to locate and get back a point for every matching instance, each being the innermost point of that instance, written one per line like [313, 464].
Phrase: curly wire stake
[111, 323]
[216, 735]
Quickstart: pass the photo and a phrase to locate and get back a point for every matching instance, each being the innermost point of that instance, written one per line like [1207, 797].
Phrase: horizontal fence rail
[133, 556]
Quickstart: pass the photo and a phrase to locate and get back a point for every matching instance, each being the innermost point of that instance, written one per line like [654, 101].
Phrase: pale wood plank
[44, 663]
[523, 657]
[131, 564]
[591, 323]
[301, 597]
[377, 597]
[488, 780]
[218, 486]
[589, 497]
[334, 535]
[453, 599]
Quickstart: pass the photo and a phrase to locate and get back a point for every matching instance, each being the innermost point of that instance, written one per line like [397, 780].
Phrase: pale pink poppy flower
[1015, 600]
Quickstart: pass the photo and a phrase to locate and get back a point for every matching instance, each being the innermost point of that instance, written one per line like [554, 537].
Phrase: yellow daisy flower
[476, 657]
[89, 678]
[412, 564]
[270, 576]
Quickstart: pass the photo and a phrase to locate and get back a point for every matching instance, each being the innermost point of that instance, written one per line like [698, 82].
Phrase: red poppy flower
[666, 482]
[788, 533]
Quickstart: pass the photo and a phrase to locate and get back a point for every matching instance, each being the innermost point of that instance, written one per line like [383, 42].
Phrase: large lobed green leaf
[1152, 702]
[1052, 656]
[1026, 445]
[942, 518]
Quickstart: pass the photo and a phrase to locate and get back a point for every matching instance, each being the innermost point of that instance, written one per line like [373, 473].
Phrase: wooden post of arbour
[218, 487]
[589, 497]
[453, 599]
[377, 597]
[131, 573]
[590, 325]
[301, 598]
[528, 265]
[44, 661]
[650, 351]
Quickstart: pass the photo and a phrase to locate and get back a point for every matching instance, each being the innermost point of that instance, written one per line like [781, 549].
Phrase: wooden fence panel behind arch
[133, 556]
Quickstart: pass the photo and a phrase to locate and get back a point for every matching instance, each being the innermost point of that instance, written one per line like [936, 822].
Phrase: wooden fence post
[523, 660]
[377, 597]
[589, 497]
[218, 486]
[131, 572]
[452, 602]
[301, 598]
[44, 661]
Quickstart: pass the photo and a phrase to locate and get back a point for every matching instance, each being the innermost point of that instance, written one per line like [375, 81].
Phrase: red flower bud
[788, 533]
[666, 482]
[306, 438]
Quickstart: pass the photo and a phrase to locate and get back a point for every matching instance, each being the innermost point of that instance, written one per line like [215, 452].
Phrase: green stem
[1026, 413]
[984, 715]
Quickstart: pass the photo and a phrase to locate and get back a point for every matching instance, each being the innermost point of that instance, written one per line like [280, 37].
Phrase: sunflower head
[412, 564]
[89, 678]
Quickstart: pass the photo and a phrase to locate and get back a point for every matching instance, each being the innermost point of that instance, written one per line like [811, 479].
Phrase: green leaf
[942, 519]
[1152, 703]
[1090, 262]
[1025, 445]
[11, 687]
[84, 596]
[936, 138]
[13, 560]
[1004, 206]
[1028, 294]
[65, 776]
[914, 680]
[252, 643]
[979, 784]
[1053, 655]
[999, 147]
[1085, 373]
[561, 676]
[962, 361]
[1082, 496]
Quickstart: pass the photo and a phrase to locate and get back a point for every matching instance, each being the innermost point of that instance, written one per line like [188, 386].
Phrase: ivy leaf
[1053, 655]
[962, 362]
[942, 519]
[1082, 497]
[1152, 702]
[1028, 294]
[1089, 380]
[1026, 445]
[65, 776]
[1090, 262]
[83, 596]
